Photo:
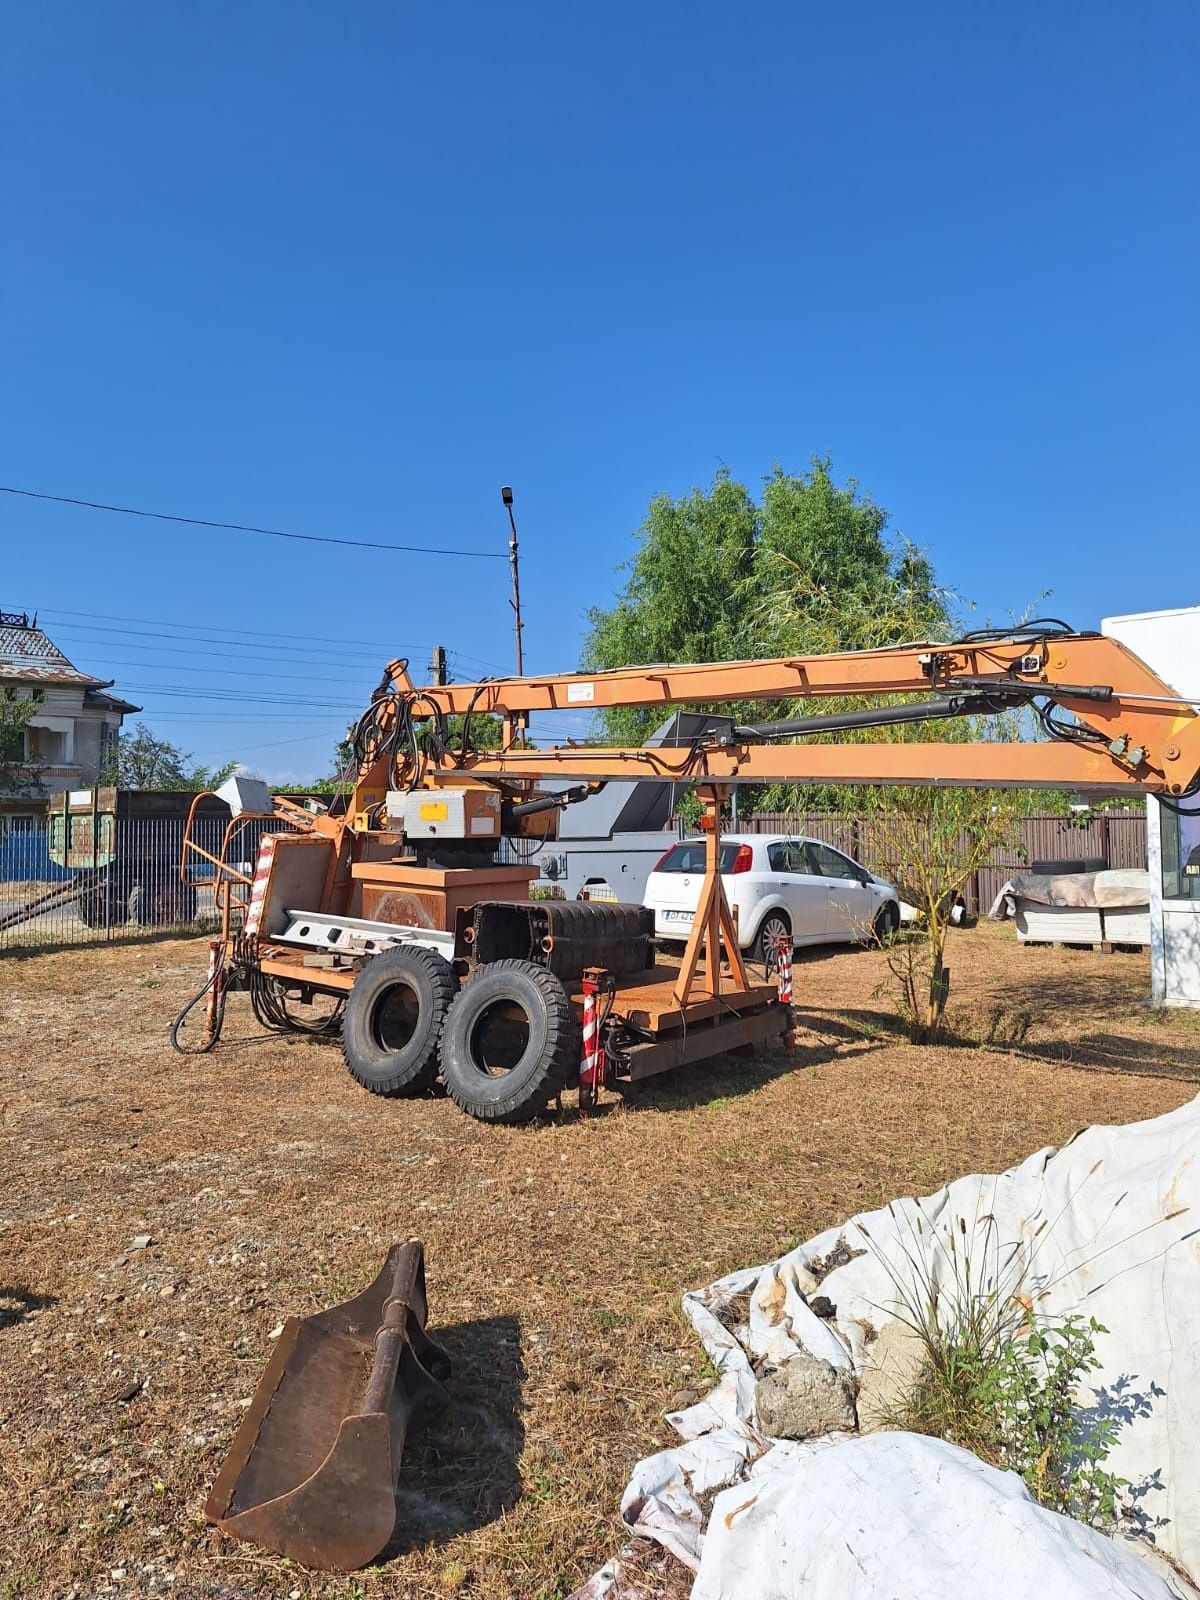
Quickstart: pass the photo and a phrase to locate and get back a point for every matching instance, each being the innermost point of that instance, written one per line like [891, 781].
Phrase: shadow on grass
[99, 939]
[1099, 1052]
[1043, 1010]
[1066, 995]
[1093, 1051]
[726, 1076]
[16, 1304]
[461, 1471]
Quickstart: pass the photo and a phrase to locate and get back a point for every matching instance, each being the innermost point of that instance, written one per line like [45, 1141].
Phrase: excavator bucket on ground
[312, 1470]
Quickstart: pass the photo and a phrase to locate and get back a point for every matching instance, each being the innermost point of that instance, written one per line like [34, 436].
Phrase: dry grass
[270, 1183]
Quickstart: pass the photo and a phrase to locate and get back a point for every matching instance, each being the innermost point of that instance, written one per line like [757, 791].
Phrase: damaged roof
[28, 656]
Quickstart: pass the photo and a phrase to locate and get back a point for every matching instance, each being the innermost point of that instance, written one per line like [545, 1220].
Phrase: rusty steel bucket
[311, 1472]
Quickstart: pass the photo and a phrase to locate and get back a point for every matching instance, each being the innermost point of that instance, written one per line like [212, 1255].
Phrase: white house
[1169, 643]
[66, 740]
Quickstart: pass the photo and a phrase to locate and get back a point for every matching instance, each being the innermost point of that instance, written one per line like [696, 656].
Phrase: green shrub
[1014, 1403]
[998, 1376]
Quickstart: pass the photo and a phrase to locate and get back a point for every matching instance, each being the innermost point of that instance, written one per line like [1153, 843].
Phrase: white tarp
[909, 1518]
[1106, 1227]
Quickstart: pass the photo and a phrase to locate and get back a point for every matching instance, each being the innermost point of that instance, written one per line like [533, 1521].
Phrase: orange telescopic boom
[1130, 730]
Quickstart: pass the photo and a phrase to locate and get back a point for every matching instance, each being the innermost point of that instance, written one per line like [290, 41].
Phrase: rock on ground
[803, 1398]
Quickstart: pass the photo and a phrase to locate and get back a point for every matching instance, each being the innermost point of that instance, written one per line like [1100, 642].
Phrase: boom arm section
[1131, 730]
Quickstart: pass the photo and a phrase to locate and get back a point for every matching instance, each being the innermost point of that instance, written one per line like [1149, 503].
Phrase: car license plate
[678, 916]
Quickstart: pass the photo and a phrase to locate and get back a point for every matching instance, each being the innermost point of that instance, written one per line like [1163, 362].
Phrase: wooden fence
[1116, 838]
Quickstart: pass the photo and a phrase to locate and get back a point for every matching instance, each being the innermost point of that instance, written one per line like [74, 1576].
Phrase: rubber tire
[887, 920]
[551, 1057]
[762, 947]
[165, 903]
[414, 1068]
[107, 906]
[92, 906]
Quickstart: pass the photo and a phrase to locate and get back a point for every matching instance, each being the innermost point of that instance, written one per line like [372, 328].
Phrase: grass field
[270, 1183]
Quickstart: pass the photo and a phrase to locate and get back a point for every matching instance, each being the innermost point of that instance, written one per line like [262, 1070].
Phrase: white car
[776, 884]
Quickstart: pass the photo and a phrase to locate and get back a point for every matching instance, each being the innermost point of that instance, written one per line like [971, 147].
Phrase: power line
[366, 671]
[365, 647]
[70, 630]
[245, 527]
[275, 743]
[239, 671]
[249, 716]
[188, 692]
[216, 628]
[100, 649]
[194, 627]
[245, 633]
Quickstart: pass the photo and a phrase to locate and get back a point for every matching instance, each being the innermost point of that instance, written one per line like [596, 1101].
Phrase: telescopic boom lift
[393, 904]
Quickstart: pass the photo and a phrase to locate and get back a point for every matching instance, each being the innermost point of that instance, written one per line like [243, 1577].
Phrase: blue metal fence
[25, 858]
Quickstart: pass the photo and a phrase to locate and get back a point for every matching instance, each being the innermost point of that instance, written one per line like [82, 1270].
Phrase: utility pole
[437, 666]
[506, 495]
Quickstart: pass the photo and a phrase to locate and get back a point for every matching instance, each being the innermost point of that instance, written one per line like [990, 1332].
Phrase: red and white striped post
[783, 968]
[783, 977]
[591, 1059]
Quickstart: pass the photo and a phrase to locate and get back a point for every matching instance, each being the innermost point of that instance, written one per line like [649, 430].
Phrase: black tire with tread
[93, 908]
[414, 1068]
[549, 1062]
[887, 920]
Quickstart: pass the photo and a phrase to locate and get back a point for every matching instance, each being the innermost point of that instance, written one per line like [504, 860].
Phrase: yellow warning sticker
[434, 811]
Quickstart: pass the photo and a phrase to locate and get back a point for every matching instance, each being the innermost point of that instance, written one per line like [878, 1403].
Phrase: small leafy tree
[15, 774]
[930, 843]
[141, 760]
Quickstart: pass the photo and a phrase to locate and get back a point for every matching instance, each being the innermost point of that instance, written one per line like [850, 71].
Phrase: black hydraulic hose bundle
[271, 1011]
[961, 705]
[216, 976]
[268, 1004]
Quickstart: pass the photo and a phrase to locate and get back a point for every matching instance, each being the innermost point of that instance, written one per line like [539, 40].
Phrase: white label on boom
[578, 693]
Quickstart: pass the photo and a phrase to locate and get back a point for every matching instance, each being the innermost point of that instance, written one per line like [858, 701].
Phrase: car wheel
[776, 925]
[887, 921]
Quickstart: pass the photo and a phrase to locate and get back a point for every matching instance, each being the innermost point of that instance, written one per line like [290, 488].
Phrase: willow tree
[710, 564]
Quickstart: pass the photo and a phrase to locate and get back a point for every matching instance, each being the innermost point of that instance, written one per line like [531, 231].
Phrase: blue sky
[348, 269]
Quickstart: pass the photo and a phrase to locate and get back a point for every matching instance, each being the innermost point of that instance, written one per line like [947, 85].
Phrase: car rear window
[689, 857]
[789, 855]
